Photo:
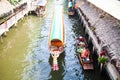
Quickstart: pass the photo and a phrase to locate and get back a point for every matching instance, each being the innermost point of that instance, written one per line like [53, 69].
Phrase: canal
[24, 54]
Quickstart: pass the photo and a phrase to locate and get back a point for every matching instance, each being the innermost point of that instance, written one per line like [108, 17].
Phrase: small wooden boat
[71, 11]
[87, 63]
[41, 6]
[57, 35]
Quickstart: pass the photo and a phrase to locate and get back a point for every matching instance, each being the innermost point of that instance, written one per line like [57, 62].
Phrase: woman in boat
[79, 39]
[82, 44]
[102, 53]
[85, 54]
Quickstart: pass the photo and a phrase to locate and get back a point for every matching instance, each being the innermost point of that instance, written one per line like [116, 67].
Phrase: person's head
[86, 47]
[81, 38]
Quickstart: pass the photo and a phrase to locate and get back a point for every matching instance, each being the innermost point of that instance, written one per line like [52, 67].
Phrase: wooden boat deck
[86, 66]
[57, 35]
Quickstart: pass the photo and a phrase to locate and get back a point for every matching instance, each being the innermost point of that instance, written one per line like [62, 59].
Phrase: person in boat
[55, 63]
[60, 48]
[79, 39]
[81, 44]
[81, 47]
[85, 54]
[102, 53]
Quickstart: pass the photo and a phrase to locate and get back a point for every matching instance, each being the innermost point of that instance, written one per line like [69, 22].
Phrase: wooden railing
[12, 19]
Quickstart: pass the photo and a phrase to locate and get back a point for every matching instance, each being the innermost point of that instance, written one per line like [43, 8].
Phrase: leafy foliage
[14, 2]
[102, 59]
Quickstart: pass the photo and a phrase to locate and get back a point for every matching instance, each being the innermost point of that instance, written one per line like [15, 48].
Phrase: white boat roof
[42, 2]
[112, 7]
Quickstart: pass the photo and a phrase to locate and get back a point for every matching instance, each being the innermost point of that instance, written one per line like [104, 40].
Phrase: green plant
[14, 2]
[103, 59]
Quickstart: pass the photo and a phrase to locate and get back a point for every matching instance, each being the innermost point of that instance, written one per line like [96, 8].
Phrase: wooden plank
[88, 66]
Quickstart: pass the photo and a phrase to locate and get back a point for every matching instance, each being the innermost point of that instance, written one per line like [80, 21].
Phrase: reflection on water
[25, 52]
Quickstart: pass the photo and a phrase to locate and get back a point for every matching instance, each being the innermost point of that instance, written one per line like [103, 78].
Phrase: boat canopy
[42, 2]
[57, 30]
[70, 4]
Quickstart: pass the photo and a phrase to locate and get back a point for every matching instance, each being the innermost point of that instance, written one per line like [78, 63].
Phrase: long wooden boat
[41, 6]
[57, 33]
[57, 36]
[71, 11]
[87, 63]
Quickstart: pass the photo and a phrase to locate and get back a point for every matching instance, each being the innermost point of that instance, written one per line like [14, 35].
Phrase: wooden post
[16, 23]
[93, 49]
[89, 40]
[22, 18]
[5, 33]
[1, 40]
[29, 12]
[101, 67]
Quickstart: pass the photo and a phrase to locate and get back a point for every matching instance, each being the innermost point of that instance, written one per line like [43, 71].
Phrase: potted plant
[103, 59]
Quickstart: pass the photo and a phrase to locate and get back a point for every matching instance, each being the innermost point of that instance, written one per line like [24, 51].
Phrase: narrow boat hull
[57, 33]
[87, 64]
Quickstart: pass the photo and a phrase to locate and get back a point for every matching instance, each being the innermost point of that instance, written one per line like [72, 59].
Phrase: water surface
[24, 55]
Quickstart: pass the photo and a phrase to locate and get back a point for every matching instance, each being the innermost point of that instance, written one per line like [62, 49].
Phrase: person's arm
[88, 53]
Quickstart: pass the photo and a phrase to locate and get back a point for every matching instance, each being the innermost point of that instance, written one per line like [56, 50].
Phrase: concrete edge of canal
[100, 29]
